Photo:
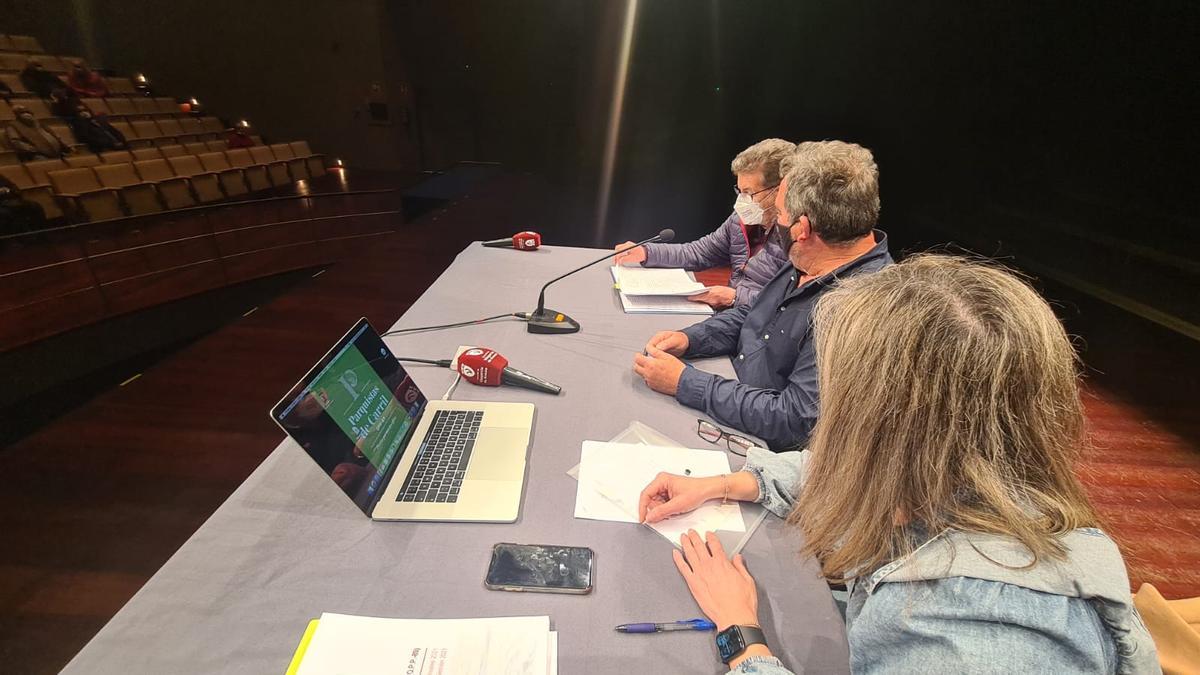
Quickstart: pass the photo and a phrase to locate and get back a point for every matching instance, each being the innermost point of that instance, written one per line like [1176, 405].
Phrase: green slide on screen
[359, 402]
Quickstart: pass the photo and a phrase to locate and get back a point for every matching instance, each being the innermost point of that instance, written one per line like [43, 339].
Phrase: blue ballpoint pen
[693, 624]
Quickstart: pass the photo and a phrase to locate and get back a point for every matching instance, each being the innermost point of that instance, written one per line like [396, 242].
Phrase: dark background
[1058, 137]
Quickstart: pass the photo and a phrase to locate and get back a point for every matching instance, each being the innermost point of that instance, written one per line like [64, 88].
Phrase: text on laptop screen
[354, 413]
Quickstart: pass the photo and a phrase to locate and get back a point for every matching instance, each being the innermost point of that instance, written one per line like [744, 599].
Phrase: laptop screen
[353, 413]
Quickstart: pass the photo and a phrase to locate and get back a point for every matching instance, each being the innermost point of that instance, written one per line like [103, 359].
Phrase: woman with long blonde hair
[938, 484]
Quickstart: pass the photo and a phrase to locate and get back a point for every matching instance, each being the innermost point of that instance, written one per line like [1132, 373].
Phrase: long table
[288, 545]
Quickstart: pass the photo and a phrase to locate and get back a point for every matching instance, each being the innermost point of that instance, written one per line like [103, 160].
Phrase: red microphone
[522, 241]
[483, 366]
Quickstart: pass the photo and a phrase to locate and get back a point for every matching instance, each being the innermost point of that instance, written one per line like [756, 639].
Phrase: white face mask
[748, 210]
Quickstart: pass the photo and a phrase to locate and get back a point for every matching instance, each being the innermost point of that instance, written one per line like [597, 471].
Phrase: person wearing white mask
[744, 242]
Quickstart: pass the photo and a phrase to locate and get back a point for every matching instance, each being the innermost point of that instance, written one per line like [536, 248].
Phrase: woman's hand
[724, 590]
[670, 495]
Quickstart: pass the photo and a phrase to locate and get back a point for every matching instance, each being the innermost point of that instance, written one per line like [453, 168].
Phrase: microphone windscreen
[480, 365]
[527, 241]
[666, 235]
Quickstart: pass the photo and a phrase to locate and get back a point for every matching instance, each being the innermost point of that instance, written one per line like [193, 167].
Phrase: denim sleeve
[716, 335]
[711, 250]
[780, 477]
[962, 624]
[783, 419]
[760, 665]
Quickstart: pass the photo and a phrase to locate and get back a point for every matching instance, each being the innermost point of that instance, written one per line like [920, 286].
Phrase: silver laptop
[398, 455]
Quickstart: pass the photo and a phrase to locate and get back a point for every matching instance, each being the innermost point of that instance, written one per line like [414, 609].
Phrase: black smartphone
[540, 569]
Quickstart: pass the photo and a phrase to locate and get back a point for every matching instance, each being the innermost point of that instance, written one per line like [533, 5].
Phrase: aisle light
[338, 163]
[141, 79]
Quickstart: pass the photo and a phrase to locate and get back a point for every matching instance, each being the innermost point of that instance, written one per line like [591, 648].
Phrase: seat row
[116, 106]
[54, 64]
[143, 133]
[20, 43]
[117, 86]
[119, 184]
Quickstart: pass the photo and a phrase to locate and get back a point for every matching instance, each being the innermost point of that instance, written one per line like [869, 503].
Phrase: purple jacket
[728, 245]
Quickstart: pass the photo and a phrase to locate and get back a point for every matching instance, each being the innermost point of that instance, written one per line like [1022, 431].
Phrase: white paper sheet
[552, 653]
[642, 281]
[662, 304]
[366, 645]
[612, 476]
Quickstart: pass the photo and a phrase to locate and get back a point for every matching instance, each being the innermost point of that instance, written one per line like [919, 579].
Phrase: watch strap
[747, 635]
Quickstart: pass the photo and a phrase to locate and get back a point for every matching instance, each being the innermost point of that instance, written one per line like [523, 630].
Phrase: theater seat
[176, 192]
[316, 163]
[147, 130]
[139, 196]
[40, 194]
[92, 200]
[40, 169]
[233, 182]
[96, 105]
[120, 85]
[52, 64]
[166, 106]
[6, 113]
[82, 160]
[169, 151]
[116, 156]
[119, 105]
[131, 136]
[296, 167]
[6, 44]
[212, 125]
[26, 43]
[13, 62]
[216, 146]
[38, 107]
[256, 175]
[195, 148]
[64, 133]
[145, 106]
[14, 83]
[277, 170]
[205, 184]
[171, 127]
[145, 153]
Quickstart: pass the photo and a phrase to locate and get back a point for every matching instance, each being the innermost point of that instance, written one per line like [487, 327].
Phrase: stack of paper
[658, 291]
[613, 475]
[365, 645]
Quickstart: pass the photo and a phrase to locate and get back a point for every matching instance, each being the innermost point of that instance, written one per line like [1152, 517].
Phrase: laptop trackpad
[499, 454]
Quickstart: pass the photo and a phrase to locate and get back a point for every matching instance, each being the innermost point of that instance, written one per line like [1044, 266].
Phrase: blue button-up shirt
[771, 344]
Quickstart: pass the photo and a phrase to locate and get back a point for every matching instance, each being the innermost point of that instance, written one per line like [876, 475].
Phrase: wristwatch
[734, 640]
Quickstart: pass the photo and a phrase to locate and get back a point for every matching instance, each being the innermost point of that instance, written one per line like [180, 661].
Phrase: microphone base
[551, 322]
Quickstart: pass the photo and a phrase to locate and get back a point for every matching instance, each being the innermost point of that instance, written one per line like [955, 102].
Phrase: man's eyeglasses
[710, 432]
[738, 191]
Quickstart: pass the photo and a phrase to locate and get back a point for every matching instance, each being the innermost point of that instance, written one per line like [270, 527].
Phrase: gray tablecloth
[288, 545]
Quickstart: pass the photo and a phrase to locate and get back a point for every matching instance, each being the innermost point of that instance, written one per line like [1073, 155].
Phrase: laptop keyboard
[438, 473]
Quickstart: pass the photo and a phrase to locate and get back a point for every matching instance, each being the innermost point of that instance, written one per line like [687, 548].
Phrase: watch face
[730, 643]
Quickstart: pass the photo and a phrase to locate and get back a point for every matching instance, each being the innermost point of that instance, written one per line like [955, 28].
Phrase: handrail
[198, 209]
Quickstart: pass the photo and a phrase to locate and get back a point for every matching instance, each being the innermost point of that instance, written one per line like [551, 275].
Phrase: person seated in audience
[939, 485]
[239, 137]
[30, 139]
[85, 82]
[38, 80]
[64, 103]
[744, 242]
[827, 205]
[17, 214]
[96, 132]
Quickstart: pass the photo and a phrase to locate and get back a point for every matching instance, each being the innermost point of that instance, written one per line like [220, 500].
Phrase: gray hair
[763, 156]
[835, 184]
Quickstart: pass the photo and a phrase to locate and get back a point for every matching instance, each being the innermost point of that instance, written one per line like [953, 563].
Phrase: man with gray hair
[828, 206]
[745, 241]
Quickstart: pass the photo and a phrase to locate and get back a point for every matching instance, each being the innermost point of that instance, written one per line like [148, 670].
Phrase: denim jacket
[949, 607]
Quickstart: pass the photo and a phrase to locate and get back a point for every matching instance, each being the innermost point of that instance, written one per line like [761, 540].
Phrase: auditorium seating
[176, 159]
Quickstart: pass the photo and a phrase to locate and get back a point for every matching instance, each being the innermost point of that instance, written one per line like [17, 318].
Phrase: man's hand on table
[717, 297]
[672, 342]
[660, 370]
